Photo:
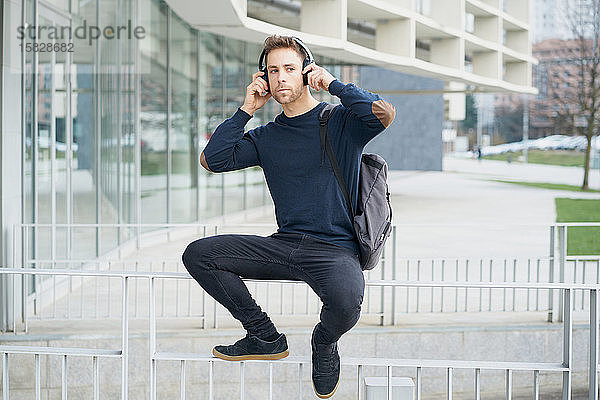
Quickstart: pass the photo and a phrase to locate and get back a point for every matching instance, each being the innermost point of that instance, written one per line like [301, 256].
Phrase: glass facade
[114, 129]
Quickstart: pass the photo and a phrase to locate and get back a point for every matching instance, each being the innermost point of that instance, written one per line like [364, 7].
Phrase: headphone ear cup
[265, 76]
[305, 75]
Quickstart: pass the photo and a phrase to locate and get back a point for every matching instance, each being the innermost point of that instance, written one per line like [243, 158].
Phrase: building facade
[548, 20]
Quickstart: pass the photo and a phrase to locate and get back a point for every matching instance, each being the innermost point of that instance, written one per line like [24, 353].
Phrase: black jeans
[219, 262]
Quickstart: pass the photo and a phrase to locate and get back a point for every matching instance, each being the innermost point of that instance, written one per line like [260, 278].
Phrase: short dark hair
[282, 42]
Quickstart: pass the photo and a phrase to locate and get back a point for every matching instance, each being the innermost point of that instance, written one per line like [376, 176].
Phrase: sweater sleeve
[229, 148]
[368, 114]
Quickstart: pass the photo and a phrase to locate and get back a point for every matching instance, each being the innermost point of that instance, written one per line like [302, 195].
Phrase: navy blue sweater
[306, 194]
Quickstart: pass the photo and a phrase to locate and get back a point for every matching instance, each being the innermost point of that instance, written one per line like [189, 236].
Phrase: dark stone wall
[414, 140]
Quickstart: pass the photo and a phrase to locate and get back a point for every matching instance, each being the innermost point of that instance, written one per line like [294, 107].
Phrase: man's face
[285, 75]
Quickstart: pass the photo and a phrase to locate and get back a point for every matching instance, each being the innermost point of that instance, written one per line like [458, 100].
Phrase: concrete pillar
[396, 36]
[325, 17]
[10, 152]
[456, 101]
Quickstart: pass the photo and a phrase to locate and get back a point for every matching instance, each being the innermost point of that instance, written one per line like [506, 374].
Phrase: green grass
[552, 186]
[565, 158]
[582, 240]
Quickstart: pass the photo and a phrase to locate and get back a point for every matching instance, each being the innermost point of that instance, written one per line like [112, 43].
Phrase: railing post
[419, 383]
[152, 340]
[125, 338]
[383, 264]
[567, 344]
[359, 394]
[242, 380]
[4, 296]
[393, 320]
[508, 384]
[5, 387]
[24, 279]
[551, 314]
[593, 359]
[536, 385]
[562, 255]
[389, 383]
[477, 384]
[449, 383]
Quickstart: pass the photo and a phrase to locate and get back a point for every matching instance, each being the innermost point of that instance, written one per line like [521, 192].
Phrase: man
[315, 241]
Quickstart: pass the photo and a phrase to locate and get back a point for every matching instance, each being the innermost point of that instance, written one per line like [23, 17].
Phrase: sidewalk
[458, 212]
[462, 212]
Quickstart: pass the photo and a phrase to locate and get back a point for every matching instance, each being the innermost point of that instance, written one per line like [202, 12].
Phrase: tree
[583, 17]
[470, 121]
[509, 121]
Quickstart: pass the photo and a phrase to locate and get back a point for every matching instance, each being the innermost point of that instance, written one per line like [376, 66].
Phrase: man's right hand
[254, 98]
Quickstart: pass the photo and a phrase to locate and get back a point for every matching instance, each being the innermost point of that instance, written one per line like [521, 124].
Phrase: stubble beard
[287, 97]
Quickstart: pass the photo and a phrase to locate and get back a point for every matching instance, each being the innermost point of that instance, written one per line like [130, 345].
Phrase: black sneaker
[325, 368]
[253, 348]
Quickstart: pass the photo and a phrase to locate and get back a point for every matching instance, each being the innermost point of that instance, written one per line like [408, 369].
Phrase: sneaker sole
[326, 396]
[274, 356]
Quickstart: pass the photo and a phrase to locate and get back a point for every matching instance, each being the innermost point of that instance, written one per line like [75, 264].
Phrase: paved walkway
[458, 212]
[475, 215]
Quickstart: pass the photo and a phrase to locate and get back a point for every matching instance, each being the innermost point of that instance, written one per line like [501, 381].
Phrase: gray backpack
[373, 218]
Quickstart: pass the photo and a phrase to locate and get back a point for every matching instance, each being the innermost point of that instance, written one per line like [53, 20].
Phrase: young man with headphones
[315, 241]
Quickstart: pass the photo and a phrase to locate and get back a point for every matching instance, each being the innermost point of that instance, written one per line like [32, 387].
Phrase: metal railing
[379, 303]
[92, 297]
[564, 367]
[52, 299]
[65, 352]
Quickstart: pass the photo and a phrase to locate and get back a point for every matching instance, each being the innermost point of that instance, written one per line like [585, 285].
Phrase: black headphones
[307, 60]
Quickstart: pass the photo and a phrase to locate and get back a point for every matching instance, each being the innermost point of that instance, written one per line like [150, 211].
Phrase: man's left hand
[318, 77]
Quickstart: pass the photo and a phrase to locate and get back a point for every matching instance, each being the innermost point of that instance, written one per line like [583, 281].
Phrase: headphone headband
[263, 56]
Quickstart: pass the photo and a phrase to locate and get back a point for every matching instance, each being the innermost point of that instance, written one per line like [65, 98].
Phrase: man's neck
[303, 104]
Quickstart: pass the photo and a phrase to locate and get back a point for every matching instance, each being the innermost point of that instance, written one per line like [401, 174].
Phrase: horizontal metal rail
[375, 282]
[176, 225]
[68, 351]
[385, 362]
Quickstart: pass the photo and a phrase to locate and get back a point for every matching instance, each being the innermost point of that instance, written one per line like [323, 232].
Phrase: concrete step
[517, 342]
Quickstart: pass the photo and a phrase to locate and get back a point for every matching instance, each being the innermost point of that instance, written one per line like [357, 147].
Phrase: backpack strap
[324, 116]
[326, 145]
